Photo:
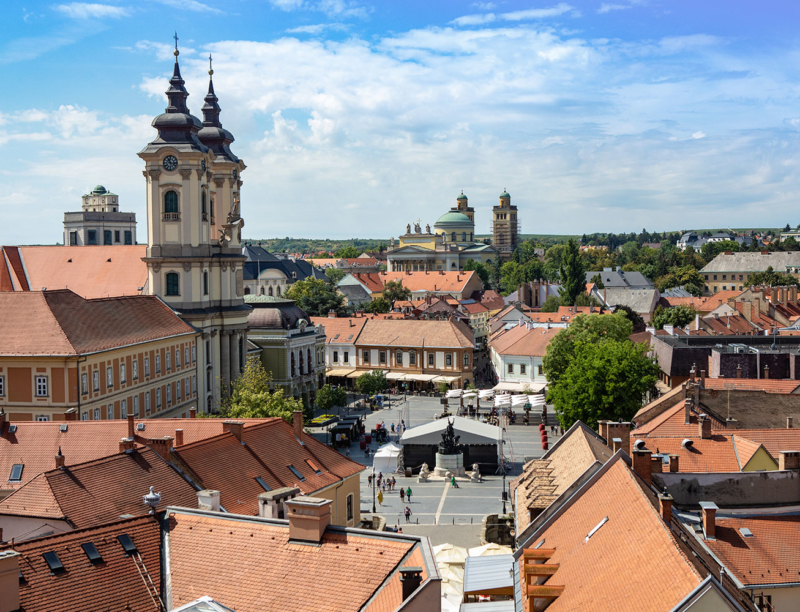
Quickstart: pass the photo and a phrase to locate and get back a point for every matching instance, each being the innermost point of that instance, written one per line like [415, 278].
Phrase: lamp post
[373, 490]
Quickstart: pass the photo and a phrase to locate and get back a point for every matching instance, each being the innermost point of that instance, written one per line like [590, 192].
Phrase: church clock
[170, 163]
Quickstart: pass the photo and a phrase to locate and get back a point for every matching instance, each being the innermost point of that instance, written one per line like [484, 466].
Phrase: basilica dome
[453, 219]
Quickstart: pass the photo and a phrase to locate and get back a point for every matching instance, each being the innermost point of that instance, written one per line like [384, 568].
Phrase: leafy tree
[510, 277]
[348, 252]
[604, 381]
[329, 397]
[587, 329]
[334, 274]
[587, 300]
[572, 274]
[551, 304]
[788, 228]
[770, 278]
[378, 305]
[316, 297]
[371, 383]
[472, 265]
[634, 317]
[597, 279]
[252, 397]
[679, 316]
[394, 290]
[711, 249]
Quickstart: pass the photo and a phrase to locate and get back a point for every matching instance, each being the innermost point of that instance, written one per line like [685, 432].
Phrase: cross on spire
[176, 52]
[210, 69]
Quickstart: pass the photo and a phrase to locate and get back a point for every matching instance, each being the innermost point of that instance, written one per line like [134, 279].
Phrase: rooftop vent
[687, 443]
[598, 526]
[63, 428]
[12, 429]
[91, 551]
[746, 533]
[53, 562]
[638, 444]
[140, 427]
[127, 544]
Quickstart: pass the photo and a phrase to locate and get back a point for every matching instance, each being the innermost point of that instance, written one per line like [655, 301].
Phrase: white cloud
[485, 6]
[342, 8]
[524, 15]
[85, 10]
[163, 51]
[607, 8]
[698, 135]
[190, 5]
[317, 28]
[679, 44]
[286, 5]
[468, 20]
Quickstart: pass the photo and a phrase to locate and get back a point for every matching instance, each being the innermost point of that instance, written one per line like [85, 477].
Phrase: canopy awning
[395, 376]
[339, 371]
[446, 379]
[420, 377]
[355, 374]
[519, 387]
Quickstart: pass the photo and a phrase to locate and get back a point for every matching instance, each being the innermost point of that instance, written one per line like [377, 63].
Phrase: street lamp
[373, 490]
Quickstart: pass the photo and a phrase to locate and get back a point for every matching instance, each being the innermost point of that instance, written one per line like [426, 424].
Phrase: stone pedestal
[449, 463]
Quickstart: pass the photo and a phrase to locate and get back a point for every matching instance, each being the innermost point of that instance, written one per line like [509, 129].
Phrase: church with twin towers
[194, 228]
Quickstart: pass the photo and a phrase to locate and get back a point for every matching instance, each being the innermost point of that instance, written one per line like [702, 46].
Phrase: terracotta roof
[91, 272]
[753, 384]
[770, 556]
[362, 261]
[729, 325]
[63, 323]
[489, 298]
[271, 573]
[113, 584]
[34, 444]
[702, 304]
[100, 491]
[445, 282]
[474, 308]
[715, 454]
[672, 422]
[774, 440]
[610, 566]
[520, 340]
[341, 330]
[448, 334]
[268, 451]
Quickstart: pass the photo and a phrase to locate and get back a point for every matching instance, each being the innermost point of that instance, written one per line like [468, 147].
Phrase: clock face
[170, 162]
[203, 165]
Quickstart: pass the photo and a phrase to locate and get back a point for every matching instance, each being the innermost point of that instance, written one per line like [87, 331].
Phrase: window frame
[123, 372]
[158, 363]
[136, 406]
[365, 356]
[109, 377]
[448, 360]
[158, 398]
[147, 402]
[431, 360]
[172, 284]
[96, 380]
[110, 412]
[135, 368]
[42, 383]
[350, 503]
[382, 357]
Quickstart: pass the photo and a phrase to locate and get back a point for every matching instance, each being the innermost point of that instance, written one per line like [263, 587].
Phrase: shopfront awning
[420, 377]
[395, 376]
[355, 373]
[446, 379]
[519, 387]
[340, 371]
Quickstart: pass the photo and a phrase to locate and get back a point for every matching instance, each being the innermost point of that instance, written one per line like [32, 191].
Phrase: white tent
[386, 457]
[449, 553]
[490, 549]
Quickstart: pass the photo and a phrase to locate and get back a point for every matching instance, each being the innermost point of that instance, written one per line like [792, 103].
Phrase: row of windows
[123, 369]
[109, 237]
[725, 288]
[41, 386]
[269, 292]
[303, 362]
[187, 387]
[448, 358]
[454, 236]
[523, 369]
[173, 282]
[725, 277]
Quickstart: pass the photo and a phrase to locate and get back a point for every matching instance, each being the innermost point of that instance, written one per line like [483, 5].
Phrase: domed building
[288, 344]
[448, 247]
[99, 221]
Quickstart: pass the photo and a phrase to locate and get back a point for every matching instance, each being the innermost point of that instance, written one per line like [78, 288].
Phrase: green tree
[472, 265]
[679, 316]
[634, 317]
[572, 274]
[329, 397]
[587, 329]
[334, 274]
[316, 297]
[770, 278]
[370, 383]
[252, 396]
[348, 252]
[510, 277]
[587, 300]
[378, 305]
[394, 290]
[551, 304]
[604, 381]
[597, 279]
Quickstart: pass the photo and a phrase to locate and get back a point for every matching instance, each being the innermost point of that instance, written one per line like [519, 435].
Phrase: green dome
[99, 190]
[505, 194]
[453, 218]
[461, 197]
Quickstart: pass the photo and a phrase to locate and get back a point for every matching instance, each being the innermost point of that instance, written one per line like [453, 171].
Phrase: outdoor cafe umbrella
[489, 549]
[449, 553]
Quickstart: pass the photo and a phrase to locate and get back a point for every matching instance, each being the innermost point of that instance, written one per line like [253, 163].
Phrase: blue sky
[356, 118]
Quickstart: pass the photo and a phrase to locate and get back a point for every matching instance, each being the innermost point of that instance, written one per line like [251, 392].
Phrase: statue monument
[449, 456]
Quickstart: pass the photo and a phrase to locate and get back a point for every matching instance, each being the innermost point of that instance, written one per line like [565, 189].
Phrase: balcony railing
[172, 216]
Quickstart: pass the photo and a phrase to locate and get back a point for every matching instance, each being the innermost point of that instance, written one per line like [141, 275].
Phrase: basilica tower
[194, 257]
[505, 227]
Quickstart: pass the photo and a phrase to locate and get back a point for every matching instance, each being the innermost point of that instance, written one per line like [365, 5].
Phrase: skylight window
[63, 428]
[263, 484]
[12, 429]
[593, 531]
[91, 551]
[295, 471]
[53, 562]
[746, 533]
[16, 472]
[140, 426]
[127, 544]
[313, 466]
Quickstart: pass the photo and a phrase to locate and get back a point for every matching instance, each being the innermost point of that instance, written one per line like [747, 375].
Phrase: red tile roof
[729, 325]
[113, 584]
[672, 422]
[753, 384]
[715, 454]
[445, 282]
[100, 491]
[520, 340]
[63, 323]
[340, 330]
[416, 333]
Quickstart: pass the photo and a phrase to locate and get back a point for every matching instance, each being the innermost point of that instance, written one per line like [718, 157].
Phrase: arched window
[262, 290]
[412, 357]
[205, 283]
[270, 290]
[470, 236]
[310, 363]
[454, 237]
[171, 202]
[466, 359]
[173, 283]
[203, 205]
[279, 290]
[399, 357]
[247, 290]
[463, 236]
[292, 364]
[212, 210]
[302, 362]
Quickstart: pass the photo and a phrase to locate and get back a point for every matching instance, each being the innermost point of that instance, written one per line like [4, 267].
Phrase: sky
[355, 118]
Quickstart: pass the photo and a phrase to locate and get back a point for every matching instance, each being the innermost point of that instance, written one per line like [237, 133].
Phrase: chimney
[703, 379]
[616, 444]
[705, 427]
[622, 431]
[131, 426]
[739, 371]
[673, 463]
[208, 499]
[687, 411]
[331, 314]
[192, 413]
[789, 422]
[789, 460]
[665, 504]
[298, 424]
[178, 438]
[602, 429]
[641, 464]
[71, 414]
[235, 427]
[272, 504]
[308, 518]
[656, 464]
[410, 578]
[709, 519]
[692, 373]
[60, 459]
[163, 446]
[126, 444]
[9, 580]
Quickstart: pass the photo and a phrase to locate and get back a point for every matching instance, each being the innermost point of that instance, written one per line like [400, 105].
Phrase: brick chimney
[331, 314]
[178, 438]
[131, 426]
[622, 431]
[766, 371]
[126, 444]
[272, 504]
[673, 463]
[739, 371]
[656, 464]
[410, 578]
[192, 413]
[9, 580]
[308, 518]
[297, 416]
[208, 499]
[641, 464]
[163, 446]
[602, 429]
[665, 506]
[60, 459]
[687, 411]
[704, 427]
[703, 379]
[616, 444]
[235, 427]
[709, 510]
[789, 460]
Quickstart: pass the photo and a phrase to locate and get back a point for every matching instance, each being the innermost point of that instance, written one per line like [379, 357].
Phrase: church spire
[211, 109]
[177, 93]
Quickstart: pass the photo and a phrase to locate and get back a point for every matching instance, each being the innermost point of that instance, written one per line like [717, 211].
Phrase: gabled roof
[250, 564]
[521, 340]
[113, 584]
[100, 491]
[753, 262]
[714, 454]
[783, 387]
[416, 333]
[340, 330]
[672, 422]
[730, 325]
[259, 259]
[439, 282]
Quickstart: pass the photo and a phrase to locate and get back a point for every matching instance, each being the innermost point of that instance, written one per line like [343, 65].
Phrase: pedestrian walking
[453, 482]
[380, 498]
[402, 495]
[392, 427]
[369, 480]
[408, 514]
[408, 494]
[394, 482]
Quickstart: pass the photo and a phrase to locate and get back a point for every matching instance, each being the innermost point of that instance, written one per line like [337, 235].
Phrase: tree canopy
[371, 383]
[478, 267]
[572, 273]
[252, 397]
[378, 305]
[316, 297]
[770, 278]
[394, 290]
[348, 252]
[330, 397]
[679, 316]
[334, 274]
